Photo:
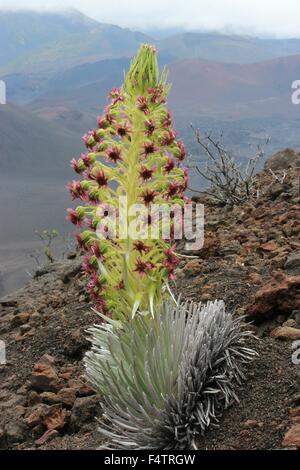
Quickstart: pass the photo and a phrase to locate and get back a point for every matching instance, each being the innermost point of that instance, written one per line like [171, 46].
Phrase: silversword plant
[164, 370]
[162, 385]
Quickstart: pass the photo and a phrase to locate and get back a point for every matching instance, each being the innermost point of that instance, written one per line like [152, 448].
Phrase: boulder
[15, 432]
[84, 411]
[280, 295]
[76, 344]
[293, 263]
[44, 377]
[292, 437]
[286, 333]
[71, 270]
[55, 417]
[47, 437]
[283, 160]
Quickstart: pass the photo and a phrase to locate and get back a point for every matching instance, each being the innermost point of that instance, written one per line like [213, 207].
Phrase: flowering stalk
[134, 154]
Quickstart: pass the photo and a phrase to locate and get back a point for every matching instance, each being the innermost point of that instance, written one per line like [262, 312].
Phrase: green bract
[133, 155]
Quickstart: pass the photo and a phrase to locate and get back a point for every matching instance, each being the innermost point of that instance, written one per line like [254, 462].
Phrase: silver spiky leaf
[163, 381]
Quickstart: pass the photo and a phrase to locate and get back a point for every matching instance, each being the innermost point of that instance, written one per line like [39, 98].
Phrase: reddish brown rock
[205, 297]
[55, 417]
[292, 437]
[283, 160]
[286, 333]
[252, 423]
[282, 294]
[36, 415]
[290, 323]
[76, 344]
[211, 246]
[193, 268]
[255, 278]
[44, 377]
[49, 398]
[19, 319]
[48, 436]
[81, 388]
[67, 396]
[269, 246]
[84, 410]
[295, 411]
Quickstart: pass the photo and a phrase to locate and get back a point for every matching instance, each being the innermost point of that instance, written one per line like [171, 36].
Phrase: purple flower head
[141, 247]
[143, 267]
[88, 265]
[156, 94]
[149, 148]
[85, 157]
[169, 166]
[74, 217]
[182, 152]
[116, 95]
[108, 116]
[149, 196]
[146, 173]
[114, 154]
[80, 242]
[75, 189]
[171, 261]
[100, 177]
[95, 283]
[174, 188]
[168, 138]
[102, 123]
[101, 306]
[123, 130]
[167, 121]
[96, 250]
[78, 166]
[89, 140]
[142, 104]
[150, 127]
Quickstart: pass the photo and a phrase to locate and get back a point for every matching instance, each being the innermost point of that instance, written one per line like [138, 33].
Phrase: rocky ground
[251, 259]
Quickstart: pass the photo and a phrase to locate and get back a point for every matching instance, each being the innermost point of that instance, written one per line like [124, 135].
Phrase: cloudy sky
[279, 18]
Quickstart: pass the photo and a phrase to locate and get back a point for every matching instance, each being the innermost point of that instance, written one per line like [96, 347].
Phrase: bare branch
[230, 182]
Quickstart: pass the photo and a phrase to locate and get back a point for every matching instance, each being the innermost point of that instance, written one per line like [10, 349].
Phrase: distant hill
[227, 48]
[234, 90]
[36, 43]
[199, 88]
[246, 101]
[22, 32]
[47, 43]
[32, 146]
[75, 97]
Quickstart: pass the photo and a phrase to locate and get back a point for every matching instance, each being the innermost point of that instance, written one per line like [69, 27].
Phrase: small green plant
[134, 155]
[47, 237]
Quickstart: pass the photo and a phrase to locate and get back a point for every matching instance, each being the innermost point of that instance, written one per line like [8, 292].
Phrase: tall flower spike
[133, 153]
